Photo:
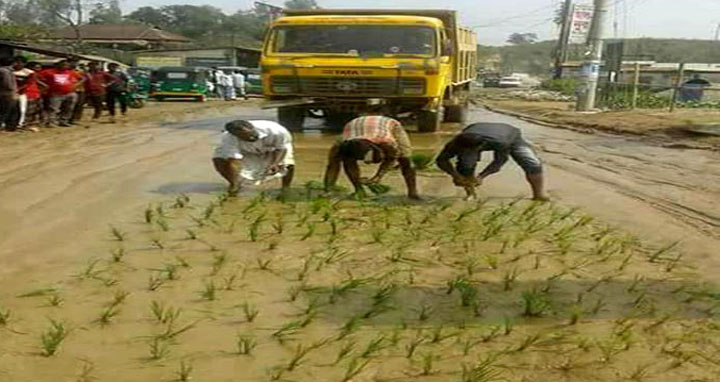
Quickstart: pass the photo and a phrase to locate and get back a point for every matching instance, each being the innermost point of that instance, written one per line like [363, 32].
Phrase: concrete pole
[562, 47]
[591, 67]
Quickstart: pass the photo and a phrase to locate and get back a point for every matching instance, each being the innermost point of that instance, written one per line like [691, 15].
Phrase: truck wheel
[429, 121]
[456, 113]
[291, 118]
[337, 121]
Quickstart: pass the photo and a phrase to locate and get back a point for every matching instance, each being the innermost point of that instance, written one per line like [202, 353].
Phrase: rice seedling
[107, 314]
[528, 341]
[117, 234]
[245, 344]
[119, 298]
[55, 300]
[599, 305]
[86, 372]
[209, 291]
[427, 363]
[159, 348]
[491, 334]
[438, 335]
[378, 189]
[345, 351]
[263, 264]
[655, 256]
[424, 312]
[288, 330]
[302, 274]
[482, 371]
[164, 314]
[608, 349]
[349, 327]
[209, 211]
[670, 266]
[163, 224]
[38, 293]
[155, 281]
[191, 235]
[468, 294]
[509, 279]
[375, 345]
[5, 317]
[219, 261]
[468, 344]
[507, 326]
[53, 337]
[117, 255]
[90, 270]
[184, 371]
[181, 201]
[535, 304]
[157, 243]
[492, 261]
[576, 313]
[279, 225]
[254, 228]
[378, 234]
[298, 356]
[250, 311]
[354, 367]
[421, 161]
[414, 343]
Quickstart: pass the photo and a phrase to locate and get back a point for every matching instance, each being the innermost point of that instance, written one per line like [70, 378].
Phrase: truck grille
[361, 86]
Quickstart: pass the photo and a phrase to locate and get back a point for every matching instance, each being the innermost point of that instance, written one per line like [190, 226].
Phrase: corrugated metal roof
[118, 32]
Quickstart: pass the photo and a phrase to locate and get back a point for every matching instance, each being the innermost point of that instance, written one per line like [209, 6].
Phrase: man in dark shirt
[505, 141]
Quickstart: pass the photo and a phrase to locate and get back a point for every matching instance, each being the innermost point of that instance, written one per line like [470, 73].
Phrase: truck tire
[336, 121]
[292, 118]
[429, 121]
[456, 113]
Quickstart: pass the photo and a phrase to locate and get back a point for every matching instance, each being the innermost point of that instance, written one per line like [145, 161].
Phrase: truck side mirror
[447, 48]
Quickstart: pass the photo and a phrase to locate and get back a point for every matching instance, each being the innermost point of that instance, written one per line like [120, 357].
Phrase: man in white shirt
[228, 86]
[264, 148]
[239, 82]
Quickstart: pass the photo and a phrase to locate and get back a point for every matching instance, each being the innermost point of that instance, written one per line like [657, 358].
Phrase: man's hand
[272, 170]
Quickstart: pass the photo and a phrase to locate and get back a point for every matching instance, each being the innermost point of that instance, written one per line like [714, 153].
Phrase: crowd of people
[227, 85]
[33, 96]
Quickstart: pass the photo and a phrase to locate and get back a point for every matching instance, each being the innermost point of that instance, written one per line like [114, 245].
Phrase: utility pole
[561, 50]
[717, 33]
[593, 59]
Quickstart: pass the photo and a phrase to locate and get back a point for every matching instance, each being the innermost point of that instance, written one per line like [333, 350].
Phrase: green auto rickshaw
[171, 82]
[253, 81]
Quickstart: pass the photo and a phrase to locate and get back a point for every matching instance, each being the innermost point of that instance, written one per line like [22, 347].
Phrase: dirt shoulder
[672, 128]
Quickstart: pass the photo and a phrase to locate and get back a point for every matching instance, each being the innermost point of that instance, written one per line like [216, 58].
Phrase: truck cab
[346, 62]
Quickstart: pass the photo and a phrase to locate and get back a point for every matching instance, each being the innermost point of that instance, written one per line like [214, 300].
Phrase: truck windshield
[360, 40]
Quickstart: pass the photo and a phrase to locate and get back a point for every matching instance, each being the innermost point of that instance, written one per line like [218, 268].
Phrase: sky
[495, 20]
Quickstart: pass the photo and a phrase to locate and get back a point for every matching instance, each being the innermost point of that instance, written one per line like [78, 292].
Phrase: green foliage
[422, 160]
[566, 86]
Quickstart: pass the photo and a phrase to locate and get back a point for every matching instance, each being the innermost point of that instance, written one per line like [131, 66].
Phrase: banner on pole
[580, 23]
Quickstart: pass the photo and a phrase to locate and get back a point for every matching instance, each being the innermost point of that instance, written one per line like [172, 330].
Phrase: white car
[510, 82]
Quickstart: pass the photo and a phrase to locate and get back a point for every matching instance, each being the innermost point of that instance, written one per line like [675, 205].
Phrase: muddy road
[60, 192]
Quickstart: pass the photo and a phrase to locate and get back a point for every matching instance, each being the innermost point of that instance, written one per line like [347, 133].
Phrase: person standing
[80, 91]
[228, 86]
[263, 148]
[239, 83]
[8, 95]
[217, 76]
[62, 83]
[372, 139]
[22, 78]
[33, 114]
[505, 141]
[116, 91]
[96, 83]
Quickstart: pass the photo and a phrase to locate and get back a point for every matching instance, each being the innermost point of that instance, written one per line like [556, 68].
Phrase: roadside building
[120, 36]
[204, 57]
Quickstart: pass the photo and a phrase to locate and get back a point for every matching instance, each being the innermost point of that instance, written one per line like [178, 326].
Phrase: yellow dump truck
[335, 64]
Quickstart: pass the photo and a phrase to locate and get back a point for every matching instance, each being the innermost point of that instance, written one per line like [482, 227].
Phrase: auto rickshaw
[171, 82]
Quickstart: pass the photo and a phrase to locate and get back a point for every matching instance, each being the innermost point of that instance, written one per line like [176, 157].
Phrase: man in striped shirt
[372, 139]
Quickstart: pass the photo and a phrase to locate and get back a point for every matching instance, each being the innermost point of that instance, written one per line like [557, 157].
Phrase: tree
[301, 4]
[109, 13]
[522, 38]
[150, 16]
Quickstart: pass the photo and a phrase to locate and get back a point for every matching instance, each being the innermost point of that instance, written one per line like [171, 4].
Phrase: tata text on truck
[338, 63]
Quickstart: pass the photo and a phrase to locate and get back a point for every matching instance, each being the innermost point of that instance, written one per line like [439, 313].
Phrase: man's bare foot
[233, 191]
[541, 198]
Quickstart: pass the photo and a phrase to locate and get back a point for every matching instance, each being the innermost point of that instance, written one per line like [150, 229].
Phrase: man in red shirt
[62, 83]
[96, 84]
[33, 87]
